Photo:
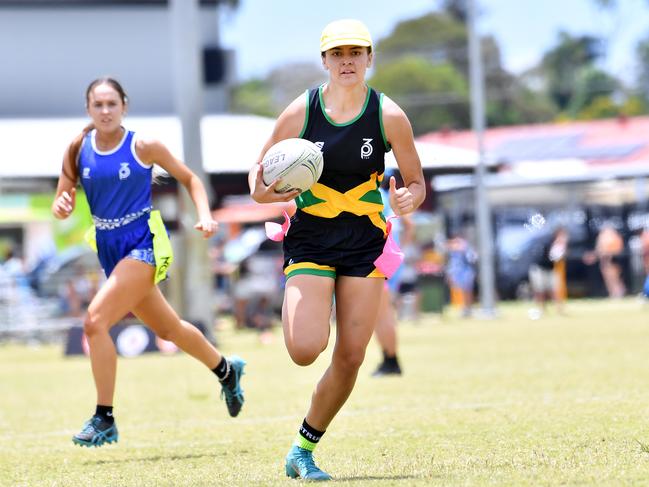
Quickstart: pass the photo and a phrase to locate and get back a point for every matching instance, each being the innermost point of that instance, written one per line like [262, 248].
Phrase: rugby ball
[297, 163]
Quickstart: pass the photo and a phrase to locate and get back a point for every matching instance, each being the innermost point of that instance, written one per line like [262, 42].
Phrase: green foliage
[434, 96]
[434, 33]
[599, 107]
[563, 65]
[642, 53]
[634, 106]
[441, 39]
[254, 97]
[592, 84]
[606, 107]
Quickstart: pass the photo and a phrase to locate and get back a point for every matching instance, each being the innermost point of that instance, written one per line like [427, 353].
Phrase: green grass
[559, 401]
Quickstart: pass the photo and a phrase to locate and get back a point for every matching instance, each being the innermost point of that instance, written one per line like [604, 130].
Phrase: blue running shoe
[96, 432]
[300, 464]
[231, 386]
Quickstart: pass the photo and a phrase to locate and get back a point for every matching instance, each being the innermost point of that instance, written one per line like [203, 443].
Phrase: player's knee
[304, 355]
[166, 334]
[351, 360]
[92, 325]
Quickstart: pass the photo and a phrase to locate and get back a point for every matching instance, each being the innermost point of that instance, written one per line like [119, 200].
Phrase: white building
[50, 50]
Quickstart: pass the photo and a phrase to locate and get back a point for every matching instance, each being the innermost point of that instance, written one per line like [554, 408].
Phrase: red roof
[597, 142]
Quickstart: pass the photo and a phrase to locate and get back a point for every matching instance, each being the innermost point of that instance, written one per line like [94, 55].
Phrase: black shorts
[346, 245]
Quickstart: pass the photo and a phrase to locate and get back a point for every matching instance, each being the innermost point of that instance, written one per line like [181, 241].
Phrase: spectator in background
[609, 248]
[460, 270]
[543, 275]
[386, 325]
[408, 300]
[14, 266]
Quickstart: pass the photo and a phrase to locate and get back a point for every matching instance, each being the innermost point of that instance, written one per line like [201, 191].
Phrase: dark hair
[70, 166]
[113, 83]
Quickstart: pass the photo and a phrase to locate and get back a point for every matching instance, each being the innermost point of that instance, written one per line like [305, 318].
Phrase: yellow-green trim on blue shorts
[310, 268]
[162, 250]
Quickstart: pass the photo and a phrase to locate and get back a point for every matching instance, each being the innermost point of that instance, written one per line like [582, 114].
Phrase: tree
[441, 38]
[253, 96]
[457, 9]
[591, 84]
[434, 96]
[562, 65]
[268, 96]
[642, 53]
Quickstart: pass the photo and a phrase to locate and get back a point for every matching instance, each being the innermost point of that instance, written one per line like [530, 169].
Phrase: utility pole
[482, 210]
[191, 259]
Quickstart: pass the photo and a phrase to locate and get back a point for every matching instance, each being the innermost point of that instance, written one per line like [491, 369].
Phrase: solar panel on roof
[565, 146]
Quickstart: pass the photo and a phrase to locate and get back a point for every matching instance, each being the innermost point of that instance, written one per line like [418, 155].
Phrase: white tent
[33, 148]
[439, 156]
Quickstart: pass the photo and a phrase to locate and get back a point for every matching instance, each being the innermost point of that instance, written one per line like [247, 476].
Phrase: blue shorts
[133, 240]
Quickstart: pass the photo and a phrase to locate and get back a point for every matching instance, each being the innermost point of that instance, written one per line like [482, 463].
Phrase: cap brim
[344, 42]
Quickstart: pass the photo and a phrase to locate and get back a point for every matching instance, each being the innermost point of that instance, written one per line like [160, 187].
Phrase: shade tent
[33, 148]
[440, 158]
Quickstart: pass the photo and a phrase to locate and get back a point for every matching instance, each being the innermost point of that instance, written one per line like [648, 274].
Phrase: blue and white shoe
[300, 464]
[96, 432]
[231, 389]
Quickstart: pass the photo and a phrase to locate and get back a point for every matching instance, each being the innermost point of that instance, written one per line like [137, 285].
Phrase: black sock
[222, 370]
[389, 358]
[309, 433]
[105, 413]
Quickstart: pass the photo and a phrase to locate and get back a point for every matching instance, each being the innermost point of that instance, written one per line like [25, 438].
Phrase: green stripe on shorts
[313, 272]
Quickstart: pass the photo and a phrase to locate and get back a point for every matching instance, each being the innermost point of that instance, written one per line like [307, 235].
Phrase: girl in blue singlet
[114, 167]
[339, 229]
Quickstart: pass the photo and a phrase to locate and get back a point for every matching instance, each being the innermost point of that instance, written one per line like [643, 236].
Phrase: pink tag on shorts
[391, 257]
[277, 232]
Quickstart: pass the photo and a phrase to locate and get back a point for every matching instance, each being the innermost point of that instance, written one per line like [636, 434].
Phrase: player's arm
[152, 151]
[289, 124]
[65, 198]
[398, 131]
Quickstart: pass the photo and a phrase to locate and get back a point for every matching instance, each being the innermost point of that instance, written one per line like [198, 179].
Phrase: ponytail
[70, 168]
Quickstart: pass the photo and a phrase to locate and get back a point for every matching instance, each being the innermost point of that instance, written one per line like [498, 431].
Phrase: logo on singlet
[124, 170]
[366, 148]
[319, 145]
[86, 173]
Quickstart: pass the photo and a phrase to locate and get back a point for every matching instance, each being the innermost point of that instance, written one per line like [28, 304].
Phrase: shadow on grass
[154, 458]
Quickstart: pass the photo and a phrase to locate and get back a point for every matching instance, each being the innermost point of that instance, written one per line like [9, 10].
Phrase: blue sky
[268, 33]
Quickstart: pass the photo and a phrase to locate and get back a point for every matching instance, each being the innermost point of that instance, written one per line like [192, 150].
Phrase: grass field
[559, 401]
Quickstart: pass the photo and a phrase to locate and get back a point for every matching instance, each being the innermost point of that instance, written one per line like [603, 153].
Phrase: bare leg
[386, 325]
[305, 316]
[356, 318]
[129, 282]
[157, 314]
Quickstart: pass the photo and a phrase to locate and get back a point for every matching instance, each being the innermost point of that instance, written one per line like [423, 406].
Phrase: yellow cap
[345, 32]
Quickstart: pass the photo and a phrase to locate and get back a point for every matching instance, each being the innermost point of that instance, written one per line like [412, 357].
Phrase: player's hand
[64, 204]
[401, 200]
[267, 194]
[207, 226]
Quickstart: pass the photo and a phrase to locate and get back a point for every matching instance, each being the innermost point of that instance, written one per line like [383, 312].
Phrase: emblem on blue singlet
[124, 170]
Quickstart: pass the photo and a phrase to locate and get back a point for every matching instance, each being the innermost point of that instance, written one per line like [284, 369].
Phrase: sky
[268, 33]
